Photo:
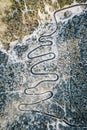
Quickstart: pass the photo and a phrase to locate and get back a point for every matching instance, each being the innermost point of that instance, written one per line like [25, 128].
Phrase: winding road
[53, 55]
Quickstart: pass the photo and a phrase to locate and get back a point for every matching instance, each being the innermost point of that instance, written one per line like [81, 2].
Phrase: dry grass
[17, 26]
[4, 4]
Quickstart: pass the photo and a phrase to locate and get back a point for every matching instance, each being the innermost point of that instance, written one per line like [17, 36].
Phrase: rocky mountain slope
[43, 84]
